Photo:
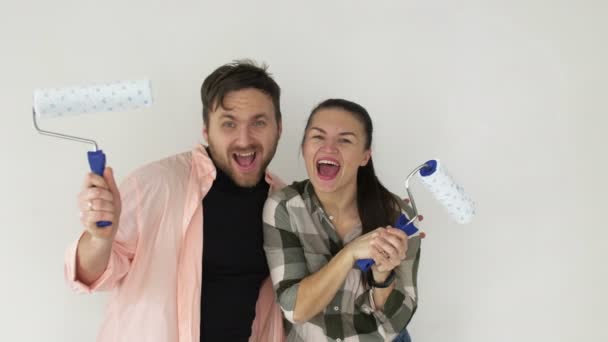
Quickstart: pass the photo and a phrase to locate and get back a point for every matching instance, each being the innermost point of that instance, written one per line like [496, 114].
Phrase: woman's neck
[340, 205]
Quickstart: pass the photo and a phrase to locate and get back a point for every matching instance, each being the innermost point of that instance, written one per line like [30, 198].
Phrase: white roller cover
[451, 195]
[103, 97]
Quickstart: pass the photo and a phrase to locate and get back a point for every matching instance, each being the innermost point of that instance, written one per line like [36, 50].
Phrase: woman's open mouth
[328, 168]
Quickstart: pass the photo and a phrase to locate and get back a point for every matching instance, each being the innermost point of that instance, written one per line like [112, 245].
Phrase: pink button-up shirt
[155, 269]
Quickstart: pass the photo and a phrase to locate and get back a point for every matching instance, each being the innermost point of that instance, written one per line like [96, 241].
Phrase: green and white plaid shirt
[299, 239]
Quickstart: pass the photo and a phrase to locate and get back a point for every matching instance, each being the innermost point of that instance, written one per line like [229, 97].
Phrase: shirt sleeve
[402, 302]
[123, 246]
[284, 254]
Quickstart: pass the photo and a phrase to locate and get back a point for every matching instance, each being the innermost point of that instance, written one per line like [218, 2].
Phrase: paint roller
[103, 97]
[444, 189]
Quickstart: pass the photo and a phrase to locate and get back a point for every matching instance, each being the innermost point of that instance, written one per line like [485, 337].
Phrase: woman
[316, 229]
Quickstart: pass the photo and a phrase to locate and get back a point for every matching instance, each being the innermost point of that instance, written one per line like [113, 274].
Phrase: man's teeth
[245, 154]
[328, 162]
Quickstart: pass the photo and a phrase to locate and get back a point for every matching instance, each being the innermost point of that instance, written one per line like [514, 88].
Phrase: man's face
[243, 135]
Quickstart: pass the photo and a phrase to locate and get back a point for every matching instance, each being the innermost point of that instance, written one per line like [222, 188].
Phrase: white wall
[511, 95]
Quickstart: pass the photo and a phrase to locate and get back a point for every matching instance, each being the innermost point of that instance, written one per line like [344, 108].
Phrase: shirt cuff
[70, 271]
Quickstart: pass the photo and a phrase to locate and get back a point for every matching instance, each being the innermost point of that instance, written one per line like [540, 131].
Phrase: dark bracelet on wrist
[386, 283]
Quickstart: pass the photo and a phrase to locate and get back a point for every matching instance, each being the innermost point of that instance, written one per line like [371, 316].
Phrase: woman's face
[334, 149]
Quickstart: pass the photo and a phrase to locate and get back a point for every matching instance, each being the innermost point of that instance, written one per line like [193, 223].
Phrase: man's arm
[102, 256]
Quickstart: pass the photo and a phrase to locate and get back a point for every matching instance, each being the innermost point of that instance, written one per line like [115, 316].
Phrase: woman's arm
[393, 307]
[303, 295]
[318, 289]
[389, 249]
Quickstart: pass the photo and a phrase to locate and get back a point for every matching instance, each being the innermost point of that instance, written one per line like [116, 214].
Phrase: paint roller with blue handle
[105, 97]
[451, 195]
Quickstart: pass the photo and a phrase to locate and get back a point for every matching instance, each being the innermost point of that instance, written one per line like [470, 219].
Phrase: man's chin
[247, 180]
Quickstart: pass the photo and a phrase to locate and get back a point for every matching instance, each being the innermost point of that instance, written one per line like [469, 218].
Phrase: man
[170, 279]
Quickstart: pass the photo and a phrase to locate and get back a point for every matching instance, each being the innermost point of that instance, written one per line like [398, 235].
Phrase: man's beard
[224, 163]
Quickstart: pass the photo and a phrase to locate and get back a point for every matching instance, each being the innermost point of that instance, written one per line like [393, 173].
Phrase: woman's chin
[325, 184]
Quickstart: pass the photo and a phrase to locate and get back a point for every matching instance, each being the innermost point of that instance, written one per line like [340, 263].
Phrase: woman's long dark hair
[376, 205]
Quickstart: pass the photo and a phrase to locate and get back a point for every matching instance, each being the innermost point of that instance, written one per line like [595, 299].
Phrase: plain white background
[511, 95]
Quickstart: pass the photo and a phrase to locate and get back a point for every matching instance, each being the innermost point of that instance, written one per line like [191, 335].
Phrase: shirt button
[339, 340]
[336, 308]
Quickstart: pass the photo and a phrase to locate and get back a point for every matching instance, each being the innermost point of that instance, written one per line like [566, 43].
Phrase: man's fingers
[109, 177]
[99, 201]
[89, 221]
[94, 180]
[90, 218]
[95, 194]
[97, 205]
[105, 233]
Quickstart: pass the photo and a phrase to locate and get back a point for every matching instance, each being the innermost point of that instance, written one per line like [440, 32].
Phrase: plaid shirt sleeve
[284, 253]
[402, 302]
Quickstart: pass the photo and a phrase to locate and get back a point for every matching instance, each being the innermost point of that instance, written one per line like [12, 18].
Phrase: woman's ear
[366, 157]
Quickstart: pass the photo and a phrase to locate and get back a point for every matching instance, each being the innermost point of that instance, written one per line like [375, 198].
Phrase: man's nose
[244, 137]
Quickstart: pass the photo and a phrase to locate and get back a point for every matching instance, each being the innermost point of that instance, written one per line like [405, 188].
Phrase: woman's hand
[361, 248]
[389, 248]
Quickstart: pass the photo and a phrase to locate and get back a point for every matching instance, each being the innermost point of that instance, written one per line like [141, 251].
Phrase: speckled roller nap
[451, 195]
[104, 97]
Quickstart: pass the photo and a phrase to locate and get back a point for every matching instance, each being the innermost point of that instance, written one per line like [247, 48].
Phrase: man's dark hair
[238, 75]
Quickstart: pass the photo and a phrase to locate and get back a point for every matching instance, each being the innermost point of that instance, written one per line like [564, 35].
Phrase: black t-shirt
[234, 263]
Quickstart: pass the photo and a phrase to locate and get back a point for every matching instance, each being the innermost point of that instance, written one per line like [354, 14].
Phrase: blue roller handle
[97, 161]
[409, 229]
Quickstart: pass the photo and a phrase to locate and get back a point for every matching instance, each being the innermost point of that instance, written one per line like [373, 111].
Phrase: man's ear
[205, 134]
